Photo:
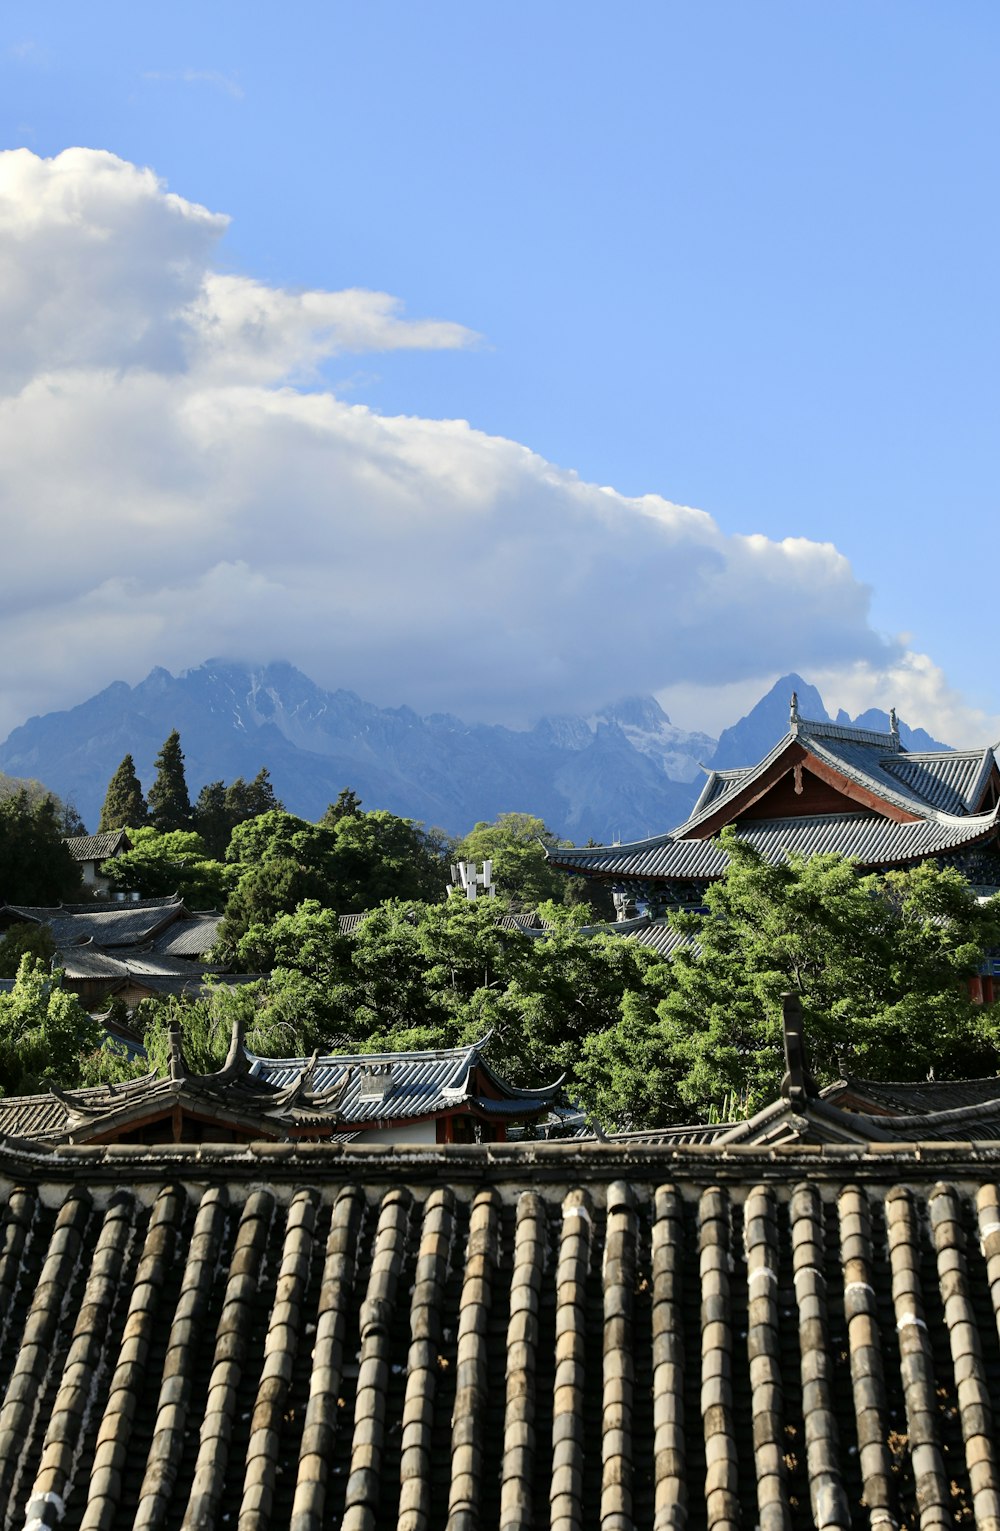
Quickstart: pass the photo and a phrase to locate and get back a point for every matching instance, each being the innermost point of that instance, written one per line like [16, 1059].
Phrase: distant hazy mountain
[751, 738]
[623, 773]
[620, 774]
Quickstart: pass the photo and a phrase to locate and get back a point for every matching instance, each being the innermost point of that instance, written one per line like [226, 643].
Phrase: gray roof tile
[625, 1334]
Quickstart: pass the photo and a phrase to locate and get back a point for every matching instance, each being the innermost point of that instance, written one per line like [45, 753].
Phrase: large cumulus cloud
[171, 490]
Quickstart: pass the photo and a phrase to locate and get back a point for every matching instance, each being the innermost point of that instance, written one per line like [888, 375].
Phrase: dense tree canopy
[515, 843]
[350, 864]
[35, 865]
[880, 964]
[45, 1033]
[220, 808]
[174, 861]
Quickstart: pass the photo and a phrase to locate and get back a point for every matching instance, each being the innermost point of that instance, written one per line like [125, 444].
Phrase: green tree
[220, 808]
[169, 804]
[44, 1031]
[33, 940]
[377, 856]
[516, 843]
[347, 805]
[176, 861]
[211, 820]
[124, 805]
[35, 864]
[880, 964]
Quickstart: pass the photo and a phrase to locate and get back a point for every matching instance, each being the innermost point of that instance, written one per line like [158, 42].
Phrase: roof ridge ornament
[236, 1058]
[793, 713]
[893, 724]
[798, 1085]
[178, 1068]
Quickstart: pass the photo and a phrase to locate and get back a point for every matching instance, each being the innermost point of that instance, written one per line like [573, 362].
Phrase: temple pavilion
[824, 787]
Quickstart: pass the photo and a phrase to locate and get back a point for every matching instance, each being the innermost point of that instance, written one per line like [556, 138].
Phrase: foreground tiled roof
[597, 1336]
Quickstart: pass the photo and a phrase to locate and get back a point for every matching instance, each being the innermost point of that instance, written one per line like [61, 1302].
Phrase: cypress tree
[211, 819]
[124, 804]
[169, 804]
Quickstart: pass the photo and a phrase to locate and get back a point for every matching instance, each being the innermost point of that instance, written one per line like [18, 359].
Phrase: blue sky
[740, 257]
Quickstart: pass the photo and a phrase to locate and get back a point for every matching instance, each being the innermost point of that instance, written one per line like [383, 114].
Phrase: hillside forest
[879, 962]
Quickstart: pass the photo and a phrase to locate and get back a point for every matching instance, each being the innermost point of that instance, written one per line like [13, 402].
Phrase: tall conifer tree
[124, 804]
[169, 804]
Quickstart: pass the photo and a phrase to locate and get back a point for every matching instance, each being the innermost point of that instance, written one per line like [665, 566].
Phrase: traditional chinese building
[91, 851]
[450, 1095]
[135, 948]
[823, 787]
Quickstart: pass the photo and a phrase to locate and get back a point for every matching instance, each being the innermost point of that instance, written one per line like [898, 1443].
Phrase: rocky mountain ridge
[622, 773]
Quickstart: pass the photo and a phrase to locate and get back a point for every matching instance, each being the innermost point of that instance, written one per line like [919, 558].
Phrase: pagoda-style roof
[405, 1086]
[231, 1104]
[254, 1097]
[823, 787]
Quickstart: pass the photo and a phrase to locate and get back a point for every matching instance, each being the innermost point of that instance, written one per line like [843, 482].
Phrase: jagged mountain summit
[748, 741]
[622, 773]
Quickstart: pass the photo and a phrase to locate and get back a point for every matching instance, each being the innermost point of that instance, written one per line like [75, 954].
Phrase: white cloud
[169, 492]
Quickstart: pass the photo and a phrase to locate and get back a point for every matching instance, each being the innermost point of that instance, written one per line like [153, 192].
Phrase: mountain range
[620, 774]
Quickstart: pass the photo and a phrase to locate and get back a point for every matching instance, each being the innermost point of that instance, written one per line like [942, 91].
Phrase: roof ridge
[812, 726]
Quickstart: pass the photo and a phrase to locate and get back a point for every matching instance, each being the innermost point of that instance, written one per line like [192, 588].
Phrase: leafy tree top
[169, 803]
[44, 1031]
[880, 963]
[516, 844]
[124, 805]
[175, 861]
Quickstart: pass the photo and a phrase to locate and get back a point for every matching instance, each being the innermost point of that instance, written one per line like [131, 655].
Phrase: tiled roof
[97, 847]
[907, 1097]
[951, 780]
[940, 788]
[90, 961]
[600, 1336]
[191, 936]
[233, 1097]
[349, 923]
[661, 938]
[422, 1083]
[366, 1087]
[83, 962]
[108, 923]
[869, 839]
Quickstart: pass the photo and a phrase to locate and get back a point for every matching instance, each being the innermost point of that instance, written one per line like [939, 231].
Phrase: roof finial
[893, 723]
[798, 1084]
[177, 1067]
[236, 1058]
[793, 712]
